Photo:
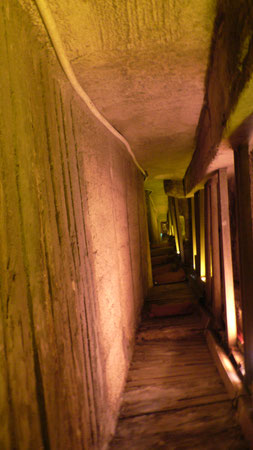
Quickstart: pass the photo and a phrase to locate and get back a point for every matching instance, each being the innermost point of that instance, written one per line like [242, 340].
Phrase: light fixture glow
[230, 312]
[194, 245]
[202, 235]
[230, 370]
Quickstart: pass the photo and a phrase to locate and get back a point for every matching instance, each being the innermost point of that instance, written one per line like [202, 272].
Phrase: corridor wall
[74, 257]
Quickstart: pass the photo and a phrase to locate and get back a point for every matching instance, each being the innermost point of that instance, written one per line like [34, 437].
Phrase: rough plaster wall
[71, 286]
[117, 215]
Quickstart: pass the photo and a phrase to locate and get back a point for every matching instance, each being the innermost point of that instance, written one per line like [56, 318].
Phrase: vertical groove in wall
[49, 153]
[66, 146]
[71, 337]
[66, 202]
[3, 202]
[79, 175]
[89, 298]
[80, 275]
[44, 244]
[37, 368]
[54, 190]
[11, 414]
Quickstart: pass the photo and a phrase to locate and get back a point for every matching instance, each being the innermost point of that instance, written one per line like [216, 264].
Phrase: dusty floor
[174, 397]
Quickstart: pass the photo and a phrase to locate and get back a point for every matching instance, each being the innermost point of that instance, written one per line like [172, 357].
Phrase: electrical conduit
[54, 36]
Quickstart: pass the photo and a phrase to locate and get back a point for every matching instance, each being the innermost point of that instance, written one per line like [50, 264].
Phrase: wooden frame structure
[179, 231]
[244, 190]
[215, 249]
[227, 266]
[194, 245]
[197, 232]
[208, 243]
[214, 256]
[202, 234]
[214, 201]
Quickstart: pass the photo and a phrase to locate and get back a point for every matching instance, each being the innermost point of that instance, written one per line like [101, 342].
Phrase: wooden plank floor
[174, 397]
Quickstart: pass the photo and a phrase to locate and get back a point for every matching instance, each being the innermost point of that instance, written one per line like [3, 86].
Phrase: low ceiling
[143, 63]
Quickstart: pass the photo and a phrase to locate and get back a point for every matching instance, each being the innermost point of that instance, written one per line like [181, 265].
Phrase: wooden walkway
[174, 397]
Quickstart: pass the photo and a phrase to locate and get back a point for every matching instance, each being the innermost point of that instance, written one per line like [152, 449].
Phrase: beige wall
[73, 256]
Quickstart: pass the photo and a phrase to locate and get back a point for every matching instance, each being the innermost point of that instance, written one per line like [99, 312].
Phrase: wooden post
[197, 228]
[202, 234]
[244, 191]
[216, 270]
[208, 244]
[179, 231]
[170, 218]
[194, 246]
[227, 259]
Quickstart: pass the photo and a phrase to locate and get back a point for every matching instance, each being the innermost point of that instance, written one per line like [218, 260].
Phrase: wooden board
[174, 397]
[176, 441]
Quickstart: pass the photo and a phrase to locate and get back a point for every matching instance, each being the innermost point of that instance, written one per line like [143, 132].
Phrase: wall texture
[73, 255]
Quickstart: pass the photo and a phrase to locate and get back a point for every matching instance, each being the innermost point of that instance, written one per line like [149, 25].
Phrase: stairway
[174, 397]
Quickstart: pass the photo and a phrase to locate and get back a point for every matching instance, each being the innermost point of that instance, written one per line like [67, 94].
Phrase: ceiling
[143, 64]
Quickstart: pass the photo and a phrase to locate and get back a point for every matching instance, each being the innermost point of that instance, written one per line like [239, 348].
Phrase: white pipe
[54, 36]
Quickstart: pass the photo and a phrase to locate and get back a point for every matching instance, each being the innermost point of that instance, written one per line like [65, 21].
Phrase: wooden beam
[197, 228]
[202, 234]
[216, 109]
[244, 192]
[216, 270]
[227, 265]
[208, 251]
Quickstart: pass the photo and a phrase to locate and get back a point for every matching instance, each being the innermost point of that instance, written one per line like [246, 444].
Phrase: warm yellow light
[202, 268]
[177, 241]
[203, 279]
[239, 360]
[202, 235]
[231, 315]
[230, 370]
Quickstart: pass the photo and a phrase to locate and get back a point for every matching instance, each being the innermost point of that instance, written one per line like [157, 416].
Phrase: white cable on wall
[54, 36]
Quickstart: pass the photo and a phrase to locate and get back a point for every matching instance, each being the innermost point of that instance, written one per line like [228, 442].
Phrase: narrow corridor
[126, 125]
[174, 396]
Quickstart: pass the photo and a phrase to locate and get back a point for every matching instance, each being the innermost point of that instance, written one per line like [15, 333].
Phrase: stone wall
[73, 255]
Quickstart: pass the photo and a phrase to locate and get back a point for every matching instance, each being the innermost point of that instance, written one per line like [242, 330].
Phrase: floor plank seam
[173, 410]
